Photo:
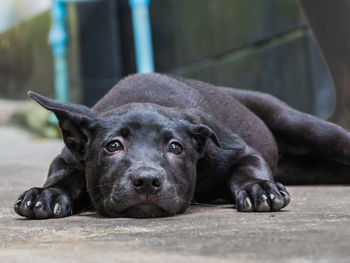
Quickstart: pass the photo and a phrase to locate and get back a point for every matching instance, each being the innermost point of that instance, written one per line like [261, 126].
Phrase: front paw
[262, 197]
[40, 203]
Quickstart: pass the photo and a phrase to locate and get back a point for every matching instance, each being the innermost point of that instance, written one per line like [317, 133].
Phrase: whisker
[97, 197]
[186, 200]
[204, 204]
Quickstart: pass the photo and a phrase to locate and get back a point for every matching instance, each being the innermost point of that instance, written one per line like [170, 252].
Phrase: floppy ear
[75, 121]
[203, 127]
[201, 133]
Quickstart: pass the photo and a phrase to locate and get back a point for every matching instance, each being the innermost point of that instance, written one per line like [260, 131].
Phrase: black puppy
[155, 143]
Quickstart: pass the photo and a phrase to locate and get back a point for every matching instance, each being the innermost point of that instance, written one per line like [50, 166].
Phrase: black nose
[147, 182]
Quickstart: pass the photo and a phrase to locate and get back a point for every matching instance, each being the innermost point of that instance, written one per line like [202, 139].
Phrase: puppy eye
[114, 146]
[175, 148]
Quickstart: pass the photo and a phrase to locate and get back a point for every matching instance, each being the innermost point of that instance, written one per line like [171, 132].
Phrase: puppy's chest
[213, 170]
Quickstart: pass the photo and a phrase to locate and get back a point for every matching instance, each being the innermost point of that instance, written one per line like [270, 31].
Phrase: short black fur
[227, 145]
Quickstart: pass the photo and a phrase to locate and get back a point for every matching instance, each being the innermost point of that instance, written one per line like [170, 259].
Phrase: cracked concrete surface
[315, 227]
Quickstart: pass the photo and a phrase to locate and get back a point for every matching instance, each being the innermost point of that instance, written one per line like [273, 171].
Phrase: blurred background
[247, 44]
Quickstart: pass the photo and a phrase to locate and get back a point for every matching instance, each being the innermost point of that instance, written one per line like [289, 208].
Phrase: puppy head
[139, 159]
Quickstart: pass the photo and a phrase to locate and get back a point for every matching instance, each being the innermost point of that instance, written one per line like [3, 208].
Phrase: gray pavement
[314, 228]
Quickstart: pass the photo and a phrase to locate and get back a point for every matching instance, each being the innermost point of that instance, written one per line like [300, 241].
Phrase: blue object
[142, 35]
[58, 41]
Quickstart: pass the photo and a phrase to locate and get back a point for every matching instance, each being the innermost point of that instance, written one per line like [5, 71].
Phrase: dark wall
[101, 65]
[197, 29]
[248, 44]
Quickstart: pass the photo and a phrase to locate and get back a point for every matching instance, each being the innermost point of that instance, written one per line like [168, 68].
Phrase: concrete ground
[315, 227]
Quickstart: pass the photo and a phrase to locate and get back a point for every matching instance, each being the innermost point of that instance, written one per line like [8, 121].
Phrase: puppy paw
[40, 203]
[262, 197]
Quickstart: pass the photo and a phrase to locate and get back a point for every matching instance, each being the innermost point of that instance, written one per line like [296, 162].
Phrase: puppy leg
[252, 187]
[63, 194]
[298, 133]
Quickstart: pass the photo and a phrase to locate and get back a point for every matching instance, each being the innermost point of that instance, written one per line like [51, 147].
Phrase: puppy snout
[147, 181]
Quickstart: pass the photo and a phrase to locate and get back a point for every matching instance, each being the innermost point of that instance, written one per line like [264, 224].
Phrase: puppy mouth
[146, 210]
[143, 209]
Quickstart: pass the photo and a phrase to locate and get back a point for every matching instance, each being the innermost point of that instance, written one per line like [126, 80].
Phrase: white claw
[57, 209]
[247, 203]
[284, 193]
[28, 203]
[39, 204]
